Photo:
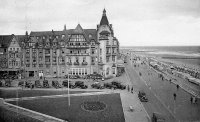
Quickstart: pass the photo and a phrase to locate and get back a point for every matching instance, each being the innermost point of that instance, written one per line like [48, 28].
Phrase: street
[160, 94]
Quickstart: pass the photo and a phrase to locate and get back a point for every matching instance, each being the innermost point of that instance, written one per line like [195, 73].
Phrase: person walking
[128, 88]
[132, 90]
[174, 96]
[177, 86]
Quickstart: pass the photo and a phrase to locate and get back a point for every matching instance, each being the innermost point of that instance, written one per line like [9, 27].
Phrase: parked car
[80, 84]
[46, 84]
[65, 84]
[28, 84]
[142, 96]
[56, 84]
[97, 85]
[118, 85]
[157, 117]
[38, 84]
[1, 84]
[21, 83]
[109, 86]
[8, 82]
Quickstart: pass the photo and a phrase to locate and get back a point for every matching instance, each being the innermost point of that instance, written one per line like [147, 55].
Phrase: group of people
[130, 89]
[193, 73]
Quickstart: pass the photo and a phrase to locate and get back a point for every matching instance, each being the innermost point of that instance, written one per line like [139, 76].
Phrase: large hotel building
[57, 53]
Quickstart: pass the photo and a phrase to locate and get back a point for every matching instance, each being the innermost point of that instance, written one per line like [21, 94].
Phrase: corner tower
[108, 45]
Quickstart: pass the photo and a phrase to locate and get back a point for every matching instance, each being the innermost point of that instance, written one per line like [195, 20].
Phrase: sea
[183, 54]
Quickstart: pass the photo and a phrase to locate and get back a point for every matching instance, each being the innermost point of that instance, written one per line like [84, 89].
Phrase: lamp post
[68, 88]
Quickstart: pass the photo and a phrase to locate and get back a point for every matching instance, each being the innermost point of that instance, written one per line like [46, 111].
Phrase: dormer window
[63, 36]
[47, 44]
[90, 36]
[54, 43]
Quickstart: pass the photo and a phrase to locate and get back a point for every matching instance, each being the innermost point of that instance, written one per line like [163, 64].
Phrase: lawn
[10, 116]
[58, 107]
[31, 93]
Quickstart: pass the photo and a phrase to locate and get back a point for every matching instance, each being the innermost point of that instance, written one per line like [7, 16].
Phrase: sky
[135, 22]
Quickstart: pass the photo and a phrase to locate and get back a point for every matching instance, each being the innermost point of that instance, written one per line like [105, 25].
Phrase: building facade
[69, 51]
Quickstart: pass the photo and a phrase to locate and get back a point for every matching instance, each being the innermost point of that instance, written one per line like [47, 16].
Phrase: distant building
[56, 53]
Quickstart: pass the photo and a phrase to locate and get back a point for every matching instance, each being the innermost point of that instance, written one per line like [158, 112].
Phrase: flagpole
[68, 90]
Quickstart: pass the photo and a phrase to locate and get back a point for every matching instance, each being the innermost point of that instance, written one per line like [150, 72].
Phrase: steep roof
[104, 19]
[5, 40]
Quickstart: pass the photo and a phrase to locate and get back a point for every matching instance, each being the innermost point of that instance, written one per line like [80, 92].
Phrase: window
[40, 65]
[76, 59]
[16, 63]
[56, 37]
[47, 59]
[47, 51]
[34, 65]
[70, 60]
[34, 59]
[17, 49]
[43, 37]
[40, 58]
[11, 49]
[17, 55]
[113, 70]
[90, 36]
[54, 52]
[54, 44]
[63, 51]
[93, 51]
[107, 59]
[92, 60]
[27, 65]
[100, 51]
[37, 37]
[84, 59]
[54, 59]
[113, 58]
[100, 59]
[63, 36]
[71, 51]
[107, 42]
[27, 50]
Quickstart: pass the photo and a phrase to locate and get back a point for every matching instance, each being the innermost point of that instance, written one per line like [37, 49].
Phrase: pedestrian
[195, 100]
[128, 88]
[177, 86]
[191, 99]
[174, 96]
[132, 90]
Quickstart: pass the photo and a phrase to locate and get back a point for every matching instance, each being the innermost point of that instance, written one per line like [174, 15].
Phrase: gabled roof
[78, 29]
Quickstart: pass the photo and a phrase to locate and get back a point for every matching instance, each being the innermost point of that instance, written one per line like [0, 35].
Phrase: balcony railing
[69, 63]
[77, 54]
[103, 38]
[47, 62]
[107, 45]
[76, 63]
[77, 46]
[84, 63]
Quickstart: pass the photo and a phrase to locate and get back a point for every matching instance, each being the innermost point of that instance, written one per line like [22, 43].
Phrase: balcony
[107, 45]
[108, 53]
[100, 63]
[62, 63]
[77, 54]
[92, 46]
[69, 63]
[103, 38]
[84, 63]
[76, 63]
[47, 62]
[54, 63]
[77, 46]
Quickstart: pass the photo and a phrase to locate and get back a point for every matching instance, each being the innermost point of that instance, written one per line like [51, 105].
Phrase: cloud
[135, 22]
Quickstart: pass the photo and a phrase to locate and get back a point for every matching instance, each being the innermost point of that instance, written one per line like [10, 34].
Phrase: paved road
[181, 108]
[154, 104]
